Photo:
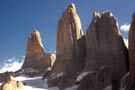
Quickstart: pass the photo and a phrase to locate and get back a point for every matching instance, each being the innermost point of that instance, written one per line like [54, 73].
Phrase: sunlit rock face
[70, 49]
[36, 58]
[105, 47]
[11, 84]
[131, 46]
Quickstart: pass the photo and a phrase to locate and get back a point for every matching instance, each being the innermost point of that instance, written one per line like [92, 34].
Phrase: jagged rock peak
[96, 14]
[36, 34]
[104, 14]
[103, 36]
[71, 18]
[130, 85]
[70, 48]
[35, 57]
[71, 8]
[107, 14]
[107, 19]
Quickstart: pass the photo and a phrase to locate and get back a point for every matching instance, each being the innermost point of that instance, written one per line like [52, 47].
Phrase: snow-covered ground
[36, 83]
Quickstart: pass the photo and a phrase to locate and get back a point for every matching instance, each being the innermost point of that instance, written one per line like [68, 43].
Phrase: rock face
[95, 80]
[36, 58]
[70, 50]
[105, 47]
[131, 79]
[12, 84]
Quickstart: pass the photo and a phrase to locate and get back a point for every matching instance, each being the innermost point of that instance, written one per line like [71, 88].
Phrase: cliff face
[36, 58]
[70, 49]
[105, 47]
[131, 46]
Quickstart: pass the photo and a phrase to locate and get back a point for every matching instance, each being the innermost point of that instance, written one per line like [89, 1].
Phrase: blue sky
[18, 18]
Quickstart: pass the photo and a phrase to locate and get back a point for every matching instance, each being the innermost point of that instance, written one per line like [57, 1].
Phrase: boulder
[11, 84]
[36, 57]
[70, 49]
[131, 46]
[105, 47]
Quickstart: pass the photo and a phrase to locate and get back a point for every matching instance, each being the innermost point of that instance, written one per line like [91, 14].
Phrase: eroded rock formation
[11, 84]
[131, 46]
[36, 58]
[105, 48]
[70, 50]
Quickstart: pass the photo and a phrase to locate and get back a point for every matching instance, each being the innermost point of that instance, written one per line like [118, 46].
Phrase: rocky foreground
[95, 61]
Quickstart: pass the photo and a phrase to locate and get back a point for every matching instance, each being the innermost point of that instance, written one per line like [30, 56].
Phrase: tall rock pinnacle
[105, 48]
[131, 46]
[70, 50]
[36, 58]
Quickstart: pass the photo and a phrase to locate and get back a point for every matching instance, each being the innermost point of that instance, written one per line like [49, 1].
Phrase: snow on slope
[11, 64]
[36, 83]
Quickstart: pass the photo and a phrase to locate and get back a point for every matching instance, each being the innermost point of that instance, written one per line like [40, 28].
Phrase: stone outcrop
[70, 49]
[95, 80]
[11, 84]
[105, 47]
[131, 46]
[35, 57]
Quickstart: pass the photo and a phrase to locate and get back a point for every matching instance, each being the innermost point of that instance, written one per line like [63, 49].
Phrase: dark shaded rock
[70, 50]
[131, 46]
[4, 75]
[105, 47]
[95, 80]
[28, 72]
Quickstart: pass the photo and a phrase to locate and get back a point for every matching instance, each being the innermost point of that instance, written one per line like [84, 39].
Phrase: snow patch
[108, 88]
[35, 83]
[82, 75]
[123, 81]
[57, 75]
[72, 88]
[126, 42]
[29, 70]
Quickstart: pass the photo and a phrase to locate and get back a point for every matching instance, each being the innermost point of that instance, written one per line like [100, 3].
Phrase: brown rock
[70, 50]
[105, 47]
[36, 58]
[12, 84]
[131, 46]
